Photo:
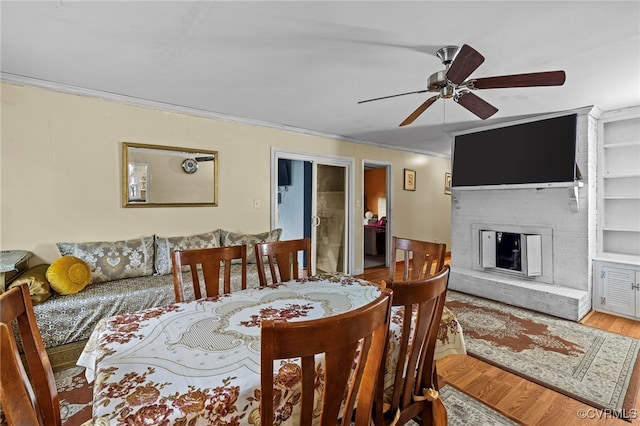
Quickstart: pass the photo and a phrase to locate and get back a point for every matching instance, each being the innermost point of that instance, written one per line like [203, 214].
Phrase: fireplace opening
[511, 252]
[508, 251]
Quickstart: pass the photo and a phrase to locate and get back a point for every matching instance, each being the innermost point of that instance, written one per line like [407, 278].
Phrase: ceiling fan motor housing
[437, 82]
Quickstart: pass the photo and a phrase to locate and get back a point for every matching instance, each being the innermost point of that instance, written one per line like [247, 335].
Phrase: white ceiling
[305, 65]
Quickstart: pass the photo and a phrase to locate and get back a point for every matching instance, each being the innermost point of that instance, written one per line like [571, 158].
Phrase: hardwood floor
[520, 399]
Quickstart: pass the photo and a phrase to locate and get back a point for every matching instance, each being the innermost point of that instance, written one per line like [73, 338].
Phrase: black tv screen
[538, 152]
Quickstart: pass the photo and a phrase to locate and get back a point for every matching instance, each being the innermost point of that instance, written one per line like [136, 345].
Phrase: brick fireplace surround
[565, 216]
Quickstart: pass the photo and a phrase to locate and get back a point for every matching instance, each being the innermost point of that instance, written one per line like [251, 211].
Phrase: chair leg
[427, 414]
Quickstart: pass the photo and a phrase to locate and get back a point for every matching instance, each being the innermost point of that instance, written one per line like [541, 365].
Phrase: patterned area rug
[463, 410]
[75, 402]
[596, 367]
[75, 396]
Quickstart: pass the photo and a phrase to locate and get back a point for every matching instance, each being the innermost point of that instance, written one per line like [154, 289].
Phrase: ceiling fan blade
[466, 61]
[422, 108]
[393, 96]
[547, 78]
[475, 104]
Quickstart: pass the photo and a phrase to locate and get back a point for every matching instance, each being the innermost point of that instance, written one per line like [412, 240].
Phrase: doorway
[376, 213]
[311, 198]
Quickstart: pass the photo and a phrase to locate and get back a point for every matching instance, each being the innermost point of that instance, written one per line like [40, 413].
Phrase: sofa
[125, 276]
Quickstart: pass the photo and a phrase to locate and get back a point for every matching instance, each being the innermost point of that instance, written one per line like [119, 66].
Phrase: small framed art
[409, 180]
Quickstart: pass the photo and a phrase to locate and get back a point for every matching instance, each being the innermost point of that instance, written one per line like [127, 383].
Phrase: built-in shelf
[618, 211]
[621, 175]
[621, 198]
[519, 186]
[621, 259]
[616, 269]
[620, 144]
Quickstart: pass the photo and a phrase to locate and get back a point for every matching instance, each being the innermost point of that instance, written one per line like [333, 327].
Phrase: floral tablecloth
[198, 363]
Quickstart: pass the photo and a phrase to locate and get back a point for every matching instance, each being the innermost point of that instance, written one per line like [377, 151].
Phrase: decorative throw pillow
[36, 279]
[165, 245]
[114, 260]
[68, 275]
[234, 239]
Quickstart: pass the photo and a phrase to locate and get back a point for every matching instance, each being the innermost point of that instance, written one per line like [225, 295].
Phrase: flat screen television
[534, 153]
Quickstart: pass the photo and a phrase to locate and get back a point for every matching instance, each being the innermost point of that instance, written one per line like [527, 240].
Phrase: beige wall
[60, 173]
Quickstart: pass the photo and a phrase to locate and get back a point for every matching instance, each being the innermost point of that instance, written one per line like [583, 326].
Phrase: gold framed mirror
[166, 176]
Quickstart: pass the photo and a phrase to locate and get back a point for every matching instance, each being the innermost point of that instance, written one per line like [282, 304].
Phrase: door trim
[335, 160]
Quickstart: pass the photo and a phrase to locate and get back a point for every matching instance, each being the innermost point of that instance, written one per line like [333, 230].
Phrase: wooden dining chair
[282, 259]
[207, 263]
[350, 369]
[421, 258]
[28, 395]
[414, 389]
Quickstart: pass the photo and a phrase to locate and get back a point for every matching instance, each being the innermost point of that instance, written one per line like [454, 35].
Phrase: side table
[12, 264]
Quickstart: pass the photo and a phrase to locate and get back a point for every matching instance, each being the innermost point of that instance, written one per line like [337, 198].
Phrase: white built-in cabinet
[617, 288]
[616, 268]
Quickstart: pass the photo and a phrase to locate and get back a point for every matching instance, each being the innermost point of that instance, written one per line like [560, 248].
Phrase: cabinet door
[637, 286]
[533, 255]
[488, 249]
[619, 290]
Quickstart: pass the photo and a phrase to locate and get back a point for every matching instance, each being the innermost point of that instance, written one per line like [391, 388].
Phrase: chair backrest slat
[421, 258]
[207, 263]
[351, 363]
[282, 259]
[28, 392]
[422, 303]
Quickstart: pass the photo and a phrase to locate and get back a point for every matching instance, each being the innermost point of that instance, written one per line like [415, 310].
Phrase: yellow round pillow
[68, 275]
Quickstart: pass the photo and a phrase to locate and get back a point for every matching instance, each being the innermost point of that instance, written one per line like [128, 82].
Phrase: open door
[376, 213]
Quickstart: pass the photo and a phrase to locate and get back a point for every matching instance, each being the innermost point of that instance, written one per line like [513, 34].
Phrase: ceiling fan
[452, 82]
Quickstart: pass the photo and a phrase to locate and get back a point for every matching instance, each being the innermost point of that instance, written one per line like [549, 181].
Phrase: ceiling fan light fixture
[447, 91]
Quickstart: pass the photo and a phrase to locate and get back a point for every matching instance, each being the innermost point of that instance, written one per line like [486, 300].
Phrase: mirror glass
[163, 176]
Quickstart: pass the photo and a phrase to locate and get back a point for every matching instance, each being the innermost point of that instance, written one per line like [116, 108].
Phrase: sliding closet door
[330, 218]
[315, 203]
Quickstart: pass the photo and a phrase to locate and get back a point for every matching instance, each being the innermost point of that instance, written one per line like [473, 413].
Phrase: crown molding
[180, 109]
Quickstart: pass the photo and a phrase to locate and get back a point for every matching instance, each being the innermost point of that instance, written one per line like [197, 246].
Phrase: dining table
[198, 362]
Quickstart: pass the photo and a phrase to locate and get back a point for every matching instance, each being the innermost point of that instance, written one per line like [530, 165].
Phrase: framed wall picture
[447, 183]
[409, 180]
[179, 177]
